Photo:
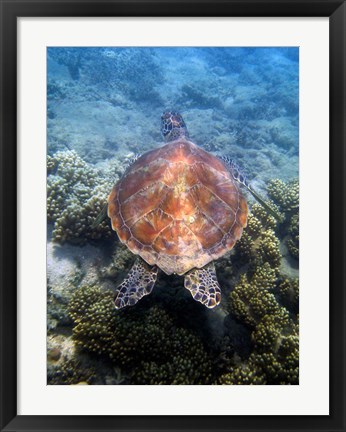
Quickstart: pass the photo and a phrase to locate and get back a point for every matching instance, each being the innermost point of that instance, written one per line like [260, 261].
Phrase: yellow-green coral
[275, 358]
[285, 195]
[70, 371]
[251, 303]
[259, 248]
[147, 343]
[268, 332]
[254, 226]
[293, 241]
[265, 220]
[288, 290]
[76, 194]
[269, 249]
[277, 348]
[254, 301]
[265, 277]
[246, 373]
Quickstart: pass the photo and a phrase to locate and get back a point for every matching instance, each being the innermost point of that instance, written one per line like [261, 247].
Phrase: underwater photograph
[173, 216]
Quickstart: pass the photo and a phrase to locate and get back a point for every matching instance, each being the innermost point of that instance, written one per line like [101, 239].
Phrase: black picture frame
[10, 11]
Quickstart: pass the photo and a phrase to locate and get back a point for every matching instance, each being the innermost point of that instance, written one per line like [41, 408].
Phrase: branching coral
[276, 341]
[187, 363]
[265, 277]
[260, 247]
[76, 194]
[70, 371]
[288, 290]
[293, 241]
[285, 195]
[269, 249]
[145, 342]
[275, 358]
[245, 373]
[150, 348]
[250, 303]
[259, 295]
[263, 218]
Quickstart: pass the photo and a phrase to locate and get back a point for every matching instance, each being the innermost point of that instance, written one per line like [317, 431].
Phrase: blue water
[243, 102]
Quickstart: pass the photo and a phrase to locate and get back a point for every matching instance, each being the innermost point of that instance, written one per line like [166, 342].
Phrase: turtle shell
[178, 207]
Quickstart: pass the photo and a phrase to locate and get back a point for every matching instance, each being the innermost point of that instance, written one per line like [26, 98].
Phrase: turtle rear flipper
[139, 282]
[203, 285]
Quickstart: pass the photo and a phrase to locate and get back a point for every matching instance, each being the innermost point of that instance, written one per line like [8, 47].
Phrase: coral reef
[146, 343]
[266, 300]
[293, 241]
[285, 195]
[275, 355]
[107, 101]
[121, 261]
[259, 245]
[265, 220]
[250, 303]
[70, 371]
[288, 291]
[76, 194]
[276, 341]
[243, 373]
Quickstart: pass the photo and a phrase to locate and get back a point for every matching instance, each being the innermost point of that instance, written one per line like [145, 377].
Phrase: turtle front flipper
[139, 282]
[203, 285]
[240, 177]
[100, 217]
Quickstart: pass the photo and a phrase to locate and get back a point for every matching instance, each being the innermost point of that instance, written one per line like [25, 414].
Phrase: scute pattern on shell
[178, 207]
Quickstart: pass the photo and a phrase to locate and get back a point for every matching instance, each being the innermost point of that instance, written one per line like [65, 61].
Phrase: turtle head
[173, 126]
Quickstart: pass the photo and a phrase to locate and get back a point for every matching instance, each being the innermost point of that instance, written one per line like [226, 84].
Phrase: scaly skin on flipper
[203, 285]
[240, 177]
[139, 282]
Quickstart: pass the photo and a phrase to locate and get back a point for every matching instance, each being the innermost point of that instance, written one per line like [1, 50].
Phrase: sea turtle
[179, 208]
